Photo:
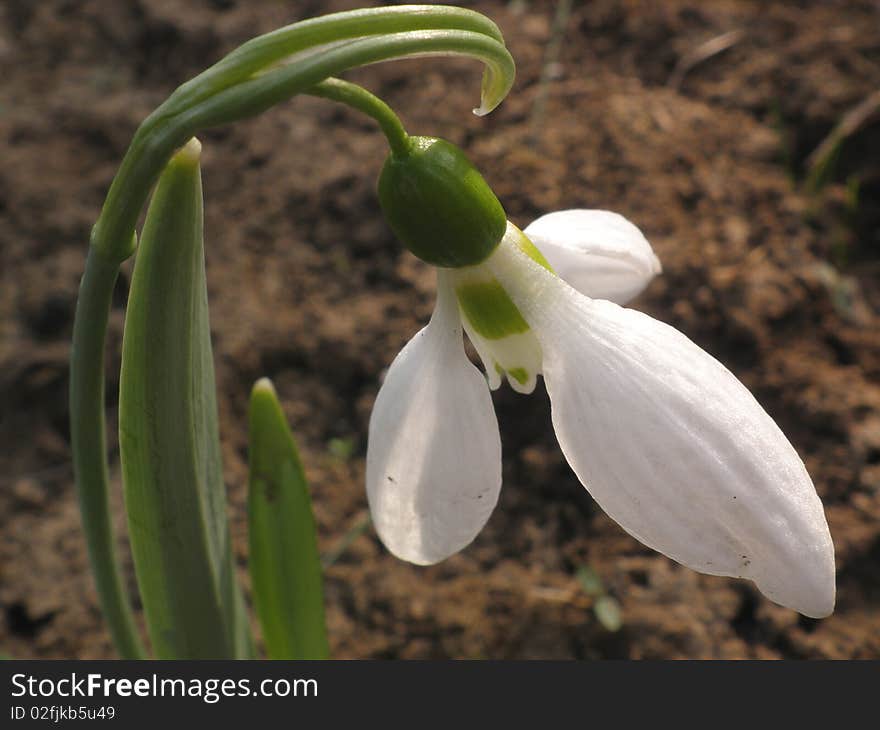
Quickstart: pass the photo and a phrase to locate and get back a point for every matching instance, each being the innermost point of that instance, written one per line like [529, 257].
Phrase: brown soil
[308, 287]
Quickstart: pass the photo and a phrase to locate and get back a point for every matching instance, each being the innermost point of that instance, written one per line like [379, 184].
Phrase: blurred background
[742, 137]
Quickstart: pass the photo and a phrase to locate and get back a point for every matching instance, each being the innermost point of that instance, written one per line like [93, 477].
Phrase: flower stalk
[89, 447]
[263, 72]
[359, 98]
[267, 71]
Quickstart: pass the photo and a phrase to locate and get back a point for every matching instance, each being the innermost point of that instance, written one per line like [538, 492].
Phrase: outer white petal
[599, 253]
[672, 445]
[434, 452]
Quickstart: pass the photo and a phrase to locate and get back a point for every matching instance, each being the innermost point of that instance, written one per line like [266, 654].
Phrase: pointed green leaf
[169, 439]
[284, 562]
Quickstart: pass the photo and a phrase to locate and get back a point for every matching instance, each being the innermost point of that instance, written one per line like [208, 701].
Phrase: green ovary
[489, 310]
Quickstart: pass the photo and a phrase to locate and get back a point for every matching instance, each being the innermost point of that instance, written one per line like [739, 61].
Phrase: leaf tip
[264, 386]
[190, 153]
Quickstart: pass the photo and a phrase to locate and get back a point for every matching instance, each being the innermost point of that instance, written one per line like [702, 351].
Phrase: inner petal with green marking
[502, 338]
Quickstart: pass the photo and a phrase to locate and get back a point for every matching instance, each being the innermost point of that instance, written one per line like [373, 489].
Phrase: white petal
[434, 451]
[672, 445]
[599, 253]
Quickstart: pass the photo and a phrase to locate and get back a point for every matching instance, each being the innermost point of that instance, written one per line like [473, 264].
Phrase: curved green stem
[281, 82]
[268, 49]
[359, 98]
[157, 138]
[89, 447]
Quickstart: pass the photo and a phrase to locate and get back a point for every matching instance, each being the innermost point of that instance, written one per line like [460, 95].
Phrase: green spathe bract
[284, 562]
[439, 205]
[168, 434]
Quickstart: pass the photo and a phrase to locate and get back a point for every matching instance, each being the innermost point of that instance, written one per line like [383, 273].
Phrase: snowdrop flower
[666, 439]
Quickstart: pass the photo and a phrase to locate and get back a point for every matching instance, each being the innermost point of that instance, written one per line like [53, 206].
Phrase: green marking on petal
[489, 310]
[520, 375]
[499, 370]
[532, 251]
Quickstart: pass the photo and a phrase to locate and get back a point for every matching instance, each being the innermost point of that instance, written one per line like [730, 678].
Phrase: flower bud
[439, 205]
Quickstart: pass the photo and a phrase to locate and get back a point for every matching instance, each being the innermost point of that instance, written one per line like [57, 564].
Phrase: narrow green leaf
[169, 438]
[284, 562]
